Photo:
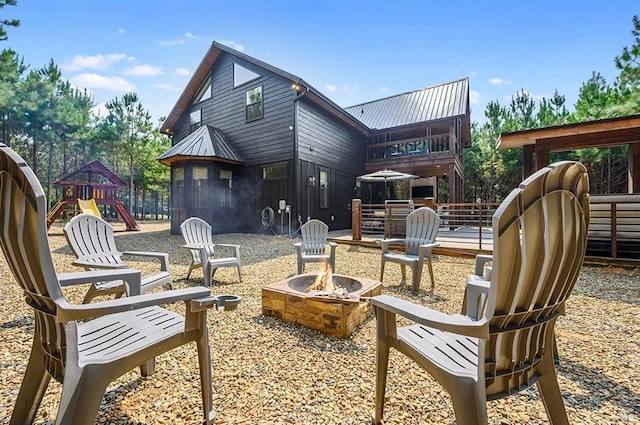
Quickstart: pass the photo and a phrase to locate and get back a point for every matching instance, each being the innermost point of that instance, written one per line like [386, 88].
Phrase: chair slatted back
[539, 241]
[197, 231]
[24, 241]
[91, 239]
[314, 237]
[422, 228]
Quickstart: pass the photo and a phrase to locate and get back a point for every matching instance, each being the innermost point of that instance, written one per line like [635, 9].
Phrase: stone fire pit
[335, 309]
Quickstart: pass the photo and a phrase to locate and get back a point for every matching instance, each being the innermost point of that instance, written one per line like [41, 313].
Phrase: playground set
[99, 187]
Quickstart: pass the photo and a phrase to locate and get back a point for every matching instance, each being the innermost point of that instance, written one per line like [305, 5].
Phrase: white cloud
[474, 96]
[191, 36]
[144, 70]
[499, 81]
[100, 62]
[95, 81]
[331, 88]
[182, 72]
[169, 43]
[121, 31]
[235, 46]
[163, 86]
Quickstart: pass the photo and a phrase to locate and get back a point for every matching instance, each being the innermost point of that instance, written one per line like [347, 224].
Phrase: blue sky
[353, 51]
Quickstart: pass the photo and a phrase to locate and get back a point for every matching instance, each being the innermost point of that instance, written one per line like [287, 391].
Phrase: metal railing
[614, 229]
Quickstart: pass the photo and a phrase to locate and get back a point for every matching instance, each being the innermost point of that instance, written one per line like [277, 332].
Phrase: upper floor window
[204, 93]
[253, 104]
[242, 75]
[195, 120]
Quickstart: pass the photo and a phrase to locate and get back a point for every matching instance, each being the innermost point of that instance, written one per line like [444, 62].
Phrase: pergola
[538, 143]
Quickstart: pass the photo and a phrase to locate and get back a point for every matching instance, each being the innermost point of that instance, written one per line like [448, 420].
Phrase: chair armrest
[461, 325]
[131, 276]
[162, 256]
[426, 248]
[384, 243]
[235, 247]
[68, 312]
[481, 261]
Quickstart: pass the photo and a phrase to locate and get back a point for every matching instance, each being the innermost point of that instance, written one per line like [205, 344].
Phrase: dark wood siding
[267, 138]
[326, 144]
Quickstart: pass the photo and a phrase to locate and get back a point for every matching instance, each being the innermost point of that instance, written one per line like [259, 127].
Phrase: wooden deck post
[356, 219]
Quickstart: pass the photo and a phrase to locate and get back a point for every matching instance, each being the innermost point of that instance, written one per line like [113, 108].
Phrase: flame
[324, 280]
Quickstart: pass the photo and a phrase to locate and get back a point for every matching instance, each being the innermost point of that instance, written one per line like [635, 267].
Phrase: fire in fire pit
[326, 285]
[330, 303]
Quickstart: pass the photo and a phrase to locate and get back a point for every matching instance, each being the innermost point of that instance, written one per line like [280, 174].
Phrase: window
[225, 192]
[254, 104]
[204, 93]
[242, 75]
[178, 188]
[274, 172]
[195, 120]
[200, 180]
[324, 189]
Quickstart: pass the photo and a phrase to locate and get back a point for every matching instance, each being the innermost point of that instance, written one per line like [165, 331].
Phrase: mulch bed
[266, 371]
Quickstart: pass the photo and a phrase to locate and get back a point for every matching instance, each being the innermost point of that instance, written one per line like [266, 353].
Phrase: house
[255, 146]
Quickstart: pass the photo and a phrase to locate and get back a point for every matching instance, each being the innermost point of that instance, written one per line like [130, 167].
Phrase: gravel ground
[269, 372]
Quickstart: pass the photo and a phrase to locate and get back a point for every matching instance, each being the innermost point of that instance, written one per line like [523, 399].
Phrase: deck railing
[429, 145]
[614, 230]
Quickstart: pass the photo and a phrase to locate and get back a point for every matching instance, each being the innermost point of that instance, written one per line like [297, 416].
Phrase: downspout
[299, 181]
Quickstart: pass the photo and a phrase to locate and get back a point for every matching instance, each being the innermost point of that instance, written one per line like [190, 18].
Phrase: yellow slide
[89, 206]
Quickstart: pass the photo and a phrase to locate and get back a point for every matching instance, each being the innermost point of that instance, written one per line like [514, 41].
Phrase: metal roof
[207, 143]
[434, 103]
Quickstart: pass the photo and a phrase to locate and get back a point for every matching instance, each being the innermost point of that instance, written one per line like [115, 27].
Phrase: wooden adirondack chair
[198, 239]
[313, 247]
[92, 242]
[422, 229]
[506, 341]
[63, 331]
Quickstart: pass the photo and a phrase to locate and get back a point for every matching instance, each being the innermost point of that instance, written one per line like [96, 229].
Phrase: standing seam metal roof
[429, 104]
[205, 142]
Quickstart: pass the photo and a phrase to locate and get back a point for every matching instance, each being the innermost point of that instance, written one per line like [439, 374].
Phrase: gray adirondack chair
[422, 229]
[198, 238]
[63, 331]
[505, 342]
[313, 248]
[91, 241]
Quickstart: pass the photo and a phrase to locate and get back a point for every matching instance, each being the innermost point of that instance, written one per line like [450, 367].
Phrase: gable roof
[447, 100]
[95, 168]
[202, 72]
[206, 143]
[444, 101]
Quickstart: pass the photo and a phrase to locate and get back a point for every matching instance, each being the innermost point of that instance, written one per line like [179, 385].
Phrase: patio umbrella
[384, 176]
